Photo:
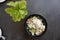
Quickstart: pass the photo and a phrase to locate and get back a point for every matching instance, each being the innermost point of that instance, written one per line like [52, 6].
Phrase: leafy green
[11, 4]
[22, 5]
[17, 10]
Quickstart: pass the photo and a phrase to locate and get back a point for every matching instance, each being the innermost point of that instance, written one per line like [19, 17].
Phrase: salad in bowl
[35, 25]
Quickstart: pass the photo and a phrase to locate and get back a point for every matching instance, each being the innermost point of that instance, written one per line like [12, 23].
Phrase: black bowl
[25, 25]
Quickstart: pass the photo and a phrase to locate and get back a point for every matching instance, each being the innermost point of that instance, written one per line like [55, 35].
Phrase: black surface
[49, 9]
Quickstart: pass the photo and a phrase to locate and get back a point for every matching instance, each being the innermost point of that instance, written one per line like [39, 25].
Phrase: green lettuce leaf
[11, 4]
[17, 10]
[22, 5]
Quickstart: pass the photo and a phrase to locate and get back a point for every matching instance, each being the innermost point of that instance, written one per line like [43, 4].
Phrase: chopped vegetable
[17, 10]
[35, 25]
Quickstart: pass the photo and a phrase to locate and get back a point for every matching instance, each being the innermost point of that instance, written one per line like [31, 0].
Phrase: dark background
[49, 9]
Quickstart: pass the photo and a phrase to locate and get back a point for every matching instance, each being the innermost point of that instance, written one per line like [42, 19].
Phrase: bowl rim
[40, 17]
[3, 2]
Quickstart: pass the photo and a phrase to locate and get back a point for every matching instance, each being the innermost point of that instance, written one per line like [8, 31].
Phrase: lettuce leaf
[17, 10]
[11, 4]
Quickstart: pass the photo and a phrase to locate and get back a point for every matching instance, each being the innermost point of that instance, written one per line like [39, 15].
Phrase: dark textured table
[49, 9]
